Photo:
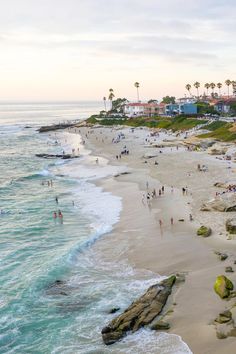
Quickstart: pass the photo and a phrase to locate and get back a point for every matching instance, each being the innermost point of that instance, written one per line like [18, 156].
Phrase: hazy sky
[78, 49]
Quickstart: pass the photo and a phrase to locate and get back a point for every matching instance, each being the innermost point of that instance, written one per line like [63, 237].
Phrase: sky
[79, 49]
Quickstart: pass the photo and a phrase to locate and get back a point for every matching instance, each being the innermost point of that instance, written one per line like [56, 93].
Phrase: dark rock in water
[229, 269]
[28, 127]
[57, 156]
[59, 287]
[140, 313]
[114, 310]
[160, 325]
[49, 128]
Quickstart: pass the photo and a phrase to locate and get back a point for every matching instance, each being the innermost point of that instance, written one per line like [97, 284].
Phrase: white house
[141, 109]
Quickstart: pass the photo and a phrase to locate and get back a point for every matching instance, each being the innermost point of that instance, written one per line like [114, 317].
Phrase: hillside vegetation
[175, 124]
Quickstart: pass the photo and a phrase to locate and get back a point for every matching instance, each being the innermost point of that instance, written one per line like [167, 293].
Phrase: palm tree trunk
[137, 94]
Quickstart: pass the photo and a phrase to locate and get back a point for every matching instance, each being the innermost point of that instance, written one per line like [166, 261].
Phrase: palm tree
[207, 86]
[197, 85]
[219, 85]
[111, 95]
[136, 84]
[233, 83]
[212, 86]
[188, 88]
[105, 103]
[228, 83]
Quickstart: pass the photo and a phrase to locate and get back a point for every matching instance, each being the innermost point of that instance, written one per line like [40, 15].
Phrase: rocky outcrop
[231, 226]
[49, 128]
[218, 149]
[224, 317]
[57, 156]
[224, 203]
[223, 286]
[204, 231]
[140, 313]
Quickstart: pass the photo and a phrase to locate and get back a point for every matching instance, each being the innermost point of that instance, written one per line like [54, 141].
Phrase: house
[141, 109]
[180, 108]
[224, 106]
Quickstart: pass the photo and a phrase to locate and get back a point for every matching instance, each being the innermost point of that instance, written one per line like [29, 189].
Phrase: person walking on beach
[162, 189]
[172, 221]
[160, 223]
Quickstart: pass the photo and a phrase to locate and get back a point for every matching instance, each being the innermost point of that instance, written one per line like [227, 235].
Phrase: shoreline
[175, 249]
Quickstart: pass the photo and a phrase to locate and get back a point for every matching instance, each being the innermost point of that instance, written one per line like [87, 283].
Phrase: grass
[222, 132]
[216, 125]
[175, 124]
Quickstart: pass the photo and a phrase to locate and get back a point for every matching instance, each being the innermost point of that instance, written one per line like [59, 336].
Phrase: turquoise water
[55, 289]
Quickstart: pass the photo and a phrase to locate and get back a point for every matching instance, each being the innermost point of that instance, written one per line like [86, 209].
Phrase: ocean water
[55, 289]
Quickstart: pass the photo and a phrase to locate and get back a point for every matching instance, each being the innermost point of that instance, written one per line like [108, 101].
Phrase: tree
[168, 99]
[228, 83]
[111, 96]
[153, 101]
[233, 83]
[219, 85]
[105, 103]
[212, 86]
[118, 105]
[137, 85]
[197, 85]
[188, 88]
[207, 86]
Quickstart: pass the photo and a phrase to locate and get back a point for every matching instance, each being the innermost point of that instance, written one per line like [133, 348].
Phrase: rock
[114, 310]
[204, 231]
[140, 313]
[182, 220]
[218, 149]
[231, 226]
[57, 156]
[49, 128]
[224, 203]
[221, 185]
[234, 262]
[224, 317]
[180, 278]
[222, 256]
[223, 286]
[229, 270]
[221, 335]
[160, 325]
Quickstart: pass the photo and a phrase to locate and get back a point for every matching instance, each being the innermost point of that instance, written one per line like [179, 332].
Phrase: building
[180, 108]
[141, 109]
[224, 106]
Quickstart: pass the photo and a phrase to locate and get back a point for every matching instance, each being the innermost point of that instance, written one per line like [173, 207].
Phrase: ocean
[55, 289]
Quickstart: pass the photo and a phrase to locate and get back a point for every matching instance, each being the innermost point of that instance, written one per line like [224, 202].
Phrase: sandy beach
[173, 246]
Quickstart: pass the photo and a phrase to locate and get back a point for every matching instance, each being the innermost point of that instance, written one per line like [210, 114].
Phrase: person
[190, 217]
[96, 160]
[60, 215]
[162, 189]
[73, 203]
[172, 221]
[172, 189]
[160, 223]
[147, 185]
[56, 199]
[54, 215]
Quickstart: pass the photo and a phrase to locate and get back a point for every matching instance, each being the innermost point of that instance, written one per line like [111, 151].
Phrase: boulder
[159, 325]
[223, 286]
[229, 269]
[231, 226]
[114, 310]
[224, 203]
[222, 256]
[204, 231]
[224, 317]
[140, 313]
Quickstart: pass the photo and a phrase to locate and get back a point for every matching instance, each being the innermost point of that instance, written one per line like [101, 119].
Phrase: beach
[168, 249]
